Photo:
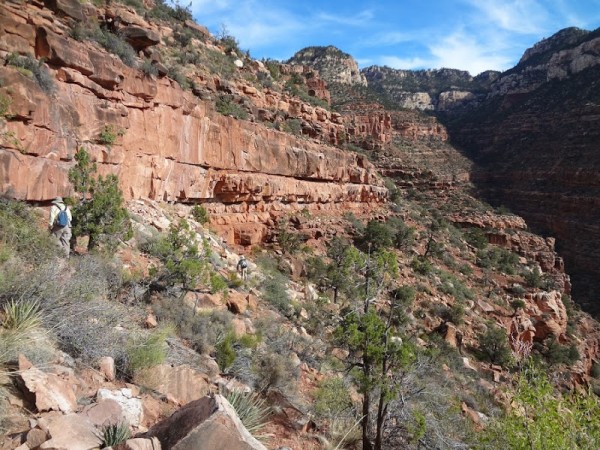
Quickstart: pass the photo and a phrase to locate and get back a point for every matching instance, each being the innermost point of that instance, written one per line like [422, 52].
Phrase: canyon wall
[170, 145]
[535, 145]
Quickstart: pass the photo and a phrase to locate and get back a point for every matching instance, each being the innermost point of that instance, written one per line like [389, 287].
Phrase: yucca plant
[21, 316]
[21, 328]
[252, 410]
[115, 434]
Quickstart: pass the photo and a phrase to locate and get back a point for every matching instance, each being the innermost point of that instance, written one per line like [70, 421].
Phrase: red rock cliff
[174, 146]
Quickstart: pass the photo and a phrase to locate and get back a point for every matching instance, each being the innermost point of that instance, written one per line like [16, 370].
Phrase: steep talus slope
[166, 142]
[536, 149]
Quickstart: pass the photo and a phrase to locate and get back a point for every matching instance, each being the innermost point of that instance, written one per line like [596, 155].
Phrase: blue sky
[473, 35]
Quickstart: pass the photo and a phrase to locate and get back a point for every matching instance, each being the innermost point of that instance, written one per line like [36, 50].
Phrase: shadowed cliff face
[538, 153]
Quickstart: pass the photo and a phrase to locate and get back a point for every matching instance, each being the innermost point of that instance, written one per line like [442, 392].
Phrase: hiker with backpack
[60, 224]
[242, 267]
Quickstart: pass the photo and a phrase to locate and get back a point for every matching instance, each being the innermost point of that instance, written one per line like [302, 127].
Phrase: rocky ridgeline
[566, 53]
[333, 65]
[166, 143]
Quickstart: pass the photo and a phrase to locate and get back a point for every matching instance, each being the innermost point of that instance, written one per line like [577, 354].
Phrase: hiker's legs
[63, 235]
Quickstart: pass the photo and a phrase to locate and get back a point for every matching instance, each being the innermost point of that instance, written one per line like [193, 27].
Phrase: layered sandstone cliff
[170, 144]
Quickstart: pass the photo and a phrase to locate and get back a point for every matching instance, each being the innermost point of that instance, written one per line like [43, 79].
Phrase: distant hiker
[242, 267]
[459, 341]
[60, 224]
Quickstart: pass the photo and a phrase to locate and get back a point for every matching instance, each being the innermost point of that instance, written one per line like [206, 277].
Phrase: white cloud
[360, 19]
[202, 8]
[386, 39]
[462, 51]
[517, 16]
[396, 62]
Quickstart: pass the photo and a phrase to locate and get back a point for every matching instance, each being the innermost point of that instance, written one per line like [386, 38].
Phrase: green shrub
[176, 13]
[183, 259]
[274, 291]
[476, 237]
[138, 5]
[378, 235]
[595, 370]
[273, 67]
[218, 284]
[148, 351]
[20, 234]
[541, 418]
[113, 44]
[21, 316]
[200, 214]
[293, 126]
[562, 354]
[332, 398]
[225, 351]
[517, 304]
[5, 103]
[421, 266]
[203, 331]
[289, 241]
[176, 74]
[499, 259]
[109, 134]
[533, 278]
[115, 434]
[454, 287]
[228, 107]
[32, 67]
[404, 235]
[273, 370]
[149, 68]
[453, 314]
[394, 192]
[494, 346]
[355, 225]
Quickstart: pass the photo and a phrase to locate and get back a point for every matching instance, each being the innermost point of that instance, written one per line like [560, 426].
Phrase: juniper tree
[378, 357]
[100, 213]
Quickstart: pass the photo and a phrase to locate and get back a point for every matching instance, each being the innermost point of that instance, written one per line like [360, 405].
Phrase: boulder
[209, 423]
[107, 368]
[131, 408]
[72, 432]
[69, 8]
[105, 412]
[139, 444]
[139, 38]
[237, 302]
[51, 392]
[36, 437]
[180, 384]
